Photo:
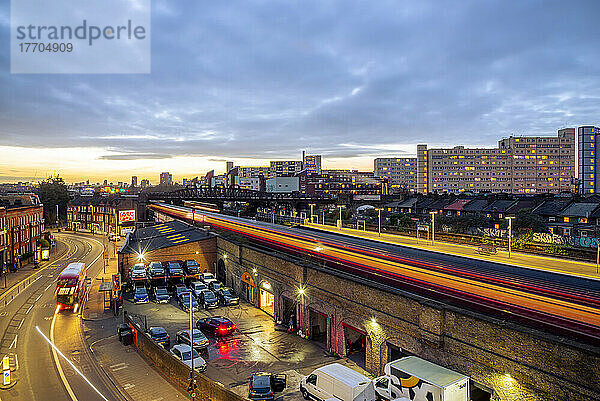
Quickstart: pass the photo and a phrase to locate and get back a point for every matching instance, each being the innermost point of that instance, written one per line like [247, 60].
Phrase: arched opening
[221, 271]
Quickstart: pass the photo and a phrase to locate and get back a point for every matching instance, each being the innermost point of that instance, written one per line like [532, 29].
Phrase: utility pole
[510, 219]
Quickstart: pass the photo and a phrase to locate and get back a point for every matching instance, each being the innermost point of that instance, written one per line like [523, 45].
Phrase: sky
[252, 81]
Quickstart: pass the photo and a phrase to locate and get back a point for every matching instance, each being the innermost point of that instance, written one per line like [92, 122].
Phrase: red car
[219, 326]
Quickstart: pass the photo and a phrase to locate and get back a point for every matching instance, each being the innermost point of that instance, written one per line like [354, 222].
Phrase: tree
[525, 220]
[52, 192]
[402, 220]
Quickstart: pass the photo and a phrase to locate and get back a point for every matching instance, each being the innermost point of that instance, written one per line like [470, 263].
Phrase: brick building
[3, 238]
[341, 182]
[22, 223]
[401, 172]
[100, 214]
[541, 164]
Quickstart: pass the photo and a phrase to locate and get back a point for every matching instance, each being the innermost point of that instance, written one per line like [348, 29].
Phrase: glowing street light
[510, 219]
[340, 220]
[432, 226]
[379, 224]
[312, 205]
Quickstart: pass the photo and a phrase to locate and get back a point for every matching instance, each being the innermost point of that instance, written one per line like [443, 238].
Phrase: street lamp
[432, 226]
[340, 220]
[312, 205]
[191, 343]
[510, 219]
[379, 224]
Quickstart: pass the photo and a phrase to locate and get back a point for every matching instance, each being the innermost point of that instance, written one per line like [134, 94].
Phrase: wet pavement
[259, 345]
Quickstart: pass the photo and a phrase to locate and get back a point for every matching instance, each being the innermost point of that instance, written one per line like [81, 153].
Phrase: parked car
[140, 295]
[228, 297]
[215, 286]
[160, 335]
[200, 340]
[219, 326]
[161, 295]
[207, 276]
[197, 287]
[263, 386]
[180, 289]
[184, 353]
[139, 271]
[175, 269]
[192, 267]
[184, 302]
[209, 300]
[156, 269]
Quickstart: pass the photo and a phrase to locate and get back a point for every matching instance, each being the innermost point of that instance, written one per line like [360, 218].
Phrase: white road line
[49, 285]
[117, 365]
[29, 310]
[21, 324]
[128, 386]
[14, 343]
[119, 368]
[16, 362]
[38, 298]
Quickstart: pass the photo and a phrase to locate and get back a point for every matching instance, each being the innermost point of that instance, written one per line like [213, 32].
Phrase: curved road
[40, 374]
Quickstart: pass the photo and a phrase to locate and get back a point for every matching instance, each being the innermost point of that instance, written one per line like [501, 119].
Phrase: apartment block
[544, 164]
[254, 172]
[400, 172]
[588, 165]
[312, 163]
[166, 179]
[285, 168]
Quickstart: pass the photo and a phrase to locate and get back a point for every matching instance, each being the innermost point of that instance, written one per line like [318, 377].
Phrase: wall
[518, 364]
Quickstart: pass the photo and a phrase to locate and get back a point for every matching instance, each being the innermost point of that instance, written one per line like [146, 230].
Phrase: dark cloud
[266, 79]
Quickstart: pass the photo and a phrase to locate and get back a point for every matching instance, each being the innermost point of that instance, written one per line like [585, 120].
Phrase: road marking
[58, 365]
[16, 363]
[38, 298]
[118, 366]
[49, 285]
[128, 386]
[29, 310]
[14, 343]
[21, 324]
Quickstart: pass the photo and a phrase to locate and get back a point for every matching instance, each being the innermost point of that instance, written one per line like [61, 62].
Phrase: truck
[420, 380]
[339, 382]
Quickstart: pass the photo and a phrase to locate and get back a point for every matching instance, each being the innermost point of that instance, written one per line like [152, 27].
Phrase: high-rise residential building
[542, 164]
[587, 137]
[166, 179]
[254, 172]
[134, 181]
[401, 172]
[312, 163]
[145, 183]
[285, 168]
[228, 166]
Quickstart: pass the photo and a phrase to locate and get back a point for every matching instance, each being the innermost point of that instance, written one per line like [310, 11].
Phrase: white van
[337, 381]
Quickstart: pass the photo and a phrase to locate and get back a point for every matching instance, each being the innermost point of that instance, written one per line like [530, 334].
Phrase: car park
[156, 269]
[209, 300]
[199, 339]
[197, 287]
[184, 353]
[207, 276]
[263, 386]
[184, 301]
[219, 326]
[140, 295]
[175, 269]
[228, 297]
[138, 271]
[192, 266]
[215, 286]
[160, 335]
[180, 289]
[161, 295]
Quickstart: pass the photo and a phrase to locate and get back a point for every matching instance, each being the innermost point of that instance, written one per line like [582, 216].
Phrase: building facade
[312, 163]
[587, 141]
[166, 179]
[518, 165]
[285, 168]
[23, 224]
[100, 214]
[400, 172]
[254, 172]
[3, 239]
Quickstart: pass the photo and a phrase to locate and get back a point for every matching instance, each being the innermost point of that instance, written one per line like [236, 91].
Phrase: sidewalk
[519, 259]
[135, 378]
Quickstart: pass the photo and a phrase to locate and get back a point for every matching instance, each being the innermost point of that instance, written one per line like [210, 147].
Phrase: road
[40, 373]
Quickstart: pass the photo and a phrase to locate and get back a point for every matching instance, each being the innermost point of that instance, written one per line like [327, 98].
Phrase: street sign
[116, 279]
[6, 377]
[5, 363]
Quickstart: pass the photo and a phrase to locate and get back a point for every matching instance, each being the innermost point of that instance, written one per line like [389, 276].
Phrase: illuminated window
[566, 219]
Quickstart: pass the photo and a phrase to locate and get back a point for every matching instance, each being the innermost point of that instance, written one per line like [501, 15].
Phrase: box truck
[339, 382]
[420, 380]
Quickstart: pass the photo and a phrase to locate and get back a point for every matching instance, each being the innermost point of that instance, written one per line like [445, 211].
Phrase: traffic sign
[116, 279]
[6, 377]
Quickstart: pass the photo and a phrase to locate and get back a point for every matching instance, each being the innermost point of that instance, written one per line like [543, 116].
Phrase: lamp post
[432, 226]
[379, 221]
[510, 219]
[340, 220]
[312, 205]
[191, 342]
[597, 261]
[57, 215]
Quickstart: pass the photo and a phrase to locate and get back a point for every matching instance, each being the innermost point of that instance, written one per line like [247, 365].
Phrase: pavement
[134, 377]
[548, 263]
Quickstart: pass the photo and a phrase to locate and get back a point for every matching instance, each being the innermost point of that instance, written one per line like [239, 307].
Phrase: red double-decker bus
[71, 287]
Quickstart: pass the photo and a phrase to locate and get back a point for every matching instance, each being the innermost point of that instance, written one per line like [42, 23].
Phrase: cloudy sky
[252, 81]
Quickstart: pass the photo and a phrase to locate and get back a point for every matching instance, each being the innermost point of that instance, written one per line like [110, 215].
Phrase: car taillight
[234, 327]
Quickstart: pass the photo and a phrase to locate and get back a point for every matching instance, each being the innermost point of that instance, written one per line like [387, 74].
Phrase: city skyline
[259, 82]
